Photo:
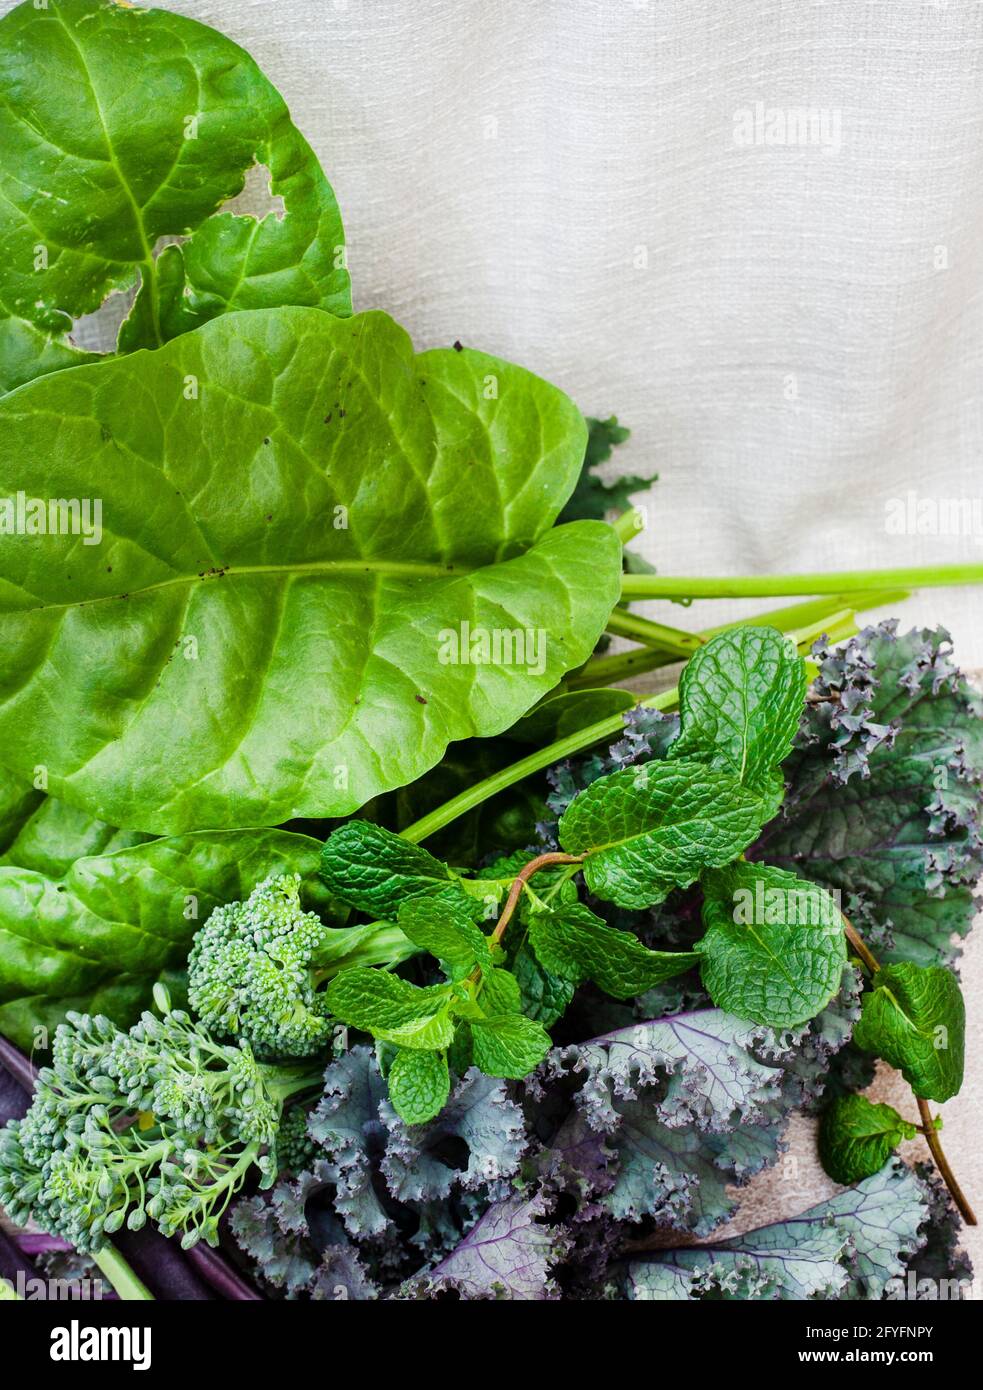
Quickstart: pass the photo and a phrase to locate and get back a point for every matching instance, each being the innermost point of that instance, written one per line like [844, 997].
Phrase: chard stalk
[682, 589]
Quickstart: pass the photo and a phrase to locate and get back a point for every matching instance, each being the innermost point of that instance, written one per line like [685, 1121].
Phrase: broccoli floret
[295, 1149]
[253, 972]
[162, 1122]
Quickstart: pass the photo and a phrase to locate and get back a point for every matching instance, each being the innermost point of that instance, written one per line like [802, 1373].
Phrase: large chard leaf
[650, 829]
[98, 937]
[298, 548]
[120, 126]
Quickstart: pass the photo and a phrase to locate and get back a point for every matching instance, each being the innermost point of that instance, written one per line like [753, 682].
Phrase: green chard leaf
[165, 119]
[419, 1084]
[96, 937]
[442, 925]
[649, 829]
[577, 945]
[915, 1019]
[307, 557]
[856, 1137]
[774, 948]
[740, 702]
[391, 1009]
[375, 871]
[508, 1045]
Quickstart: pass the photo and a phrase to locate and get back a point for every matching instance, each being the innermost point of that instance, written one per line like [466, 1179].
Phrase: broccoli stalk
[163, 1122]
[256, 966]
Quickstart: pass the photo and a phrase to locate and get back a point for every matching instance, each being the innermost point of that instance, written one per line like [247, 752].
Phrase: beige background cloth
[793, 330]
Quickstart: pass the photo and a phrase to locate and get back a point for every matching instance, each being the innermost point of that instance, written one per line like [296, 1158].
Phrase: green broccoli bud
[256, 967]
[252, 972]
[163, 1122]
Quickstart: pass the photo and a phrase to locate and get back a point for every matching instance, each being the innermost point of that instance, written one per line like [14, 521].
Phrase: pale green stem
[629, 525]
[780, 585]
[576, 742]
[121, 1276]
[609, 670]
[671, 640]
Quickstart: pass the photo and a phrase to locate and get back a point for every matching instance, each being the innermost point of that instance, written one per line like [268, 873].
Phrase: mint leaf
[915, 1019]
[774, 948]
[545, 996]
[375, 871]
[419, 1084]
[740, 701]
[649, 829]
[500, 993]
[508, 1045]
[856, 1137]
[392, 1009]
[577, 945]
[442, 925]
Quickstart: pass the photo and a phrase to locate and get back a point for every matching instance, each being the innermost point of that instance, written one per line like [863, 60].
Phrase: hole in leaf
[257, 198]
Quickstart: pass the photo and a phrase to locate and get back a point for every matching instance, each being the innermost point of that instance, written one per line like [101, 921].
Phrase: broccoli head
[253, 971]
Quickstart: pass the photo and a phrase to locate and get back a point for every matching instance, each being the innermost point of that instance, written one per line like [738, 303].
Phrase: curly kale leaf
[849, 1247]
[508, 1254]
[884, 792]
[593, 498]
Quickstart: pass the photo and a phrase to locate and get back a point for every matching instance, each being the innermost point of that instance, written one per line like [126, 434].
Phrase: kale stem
[942, 1163]
[928, 1125]
[780, 585]
[121, 1276]
[525, 873]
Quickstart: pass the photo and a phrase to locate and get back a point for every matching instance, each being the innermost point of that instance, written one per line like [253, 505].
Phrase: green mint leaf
[740, 701]
[442, 925]
[419, 1084]
[774, 948]
[375, 871]
[360, 569]
[544, 996]
[508, 1045]
[500, 992]
[856, 1137]
[173, 115]
[915, 1019]
[652, 828]
[577, 945]
[392, 1009]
